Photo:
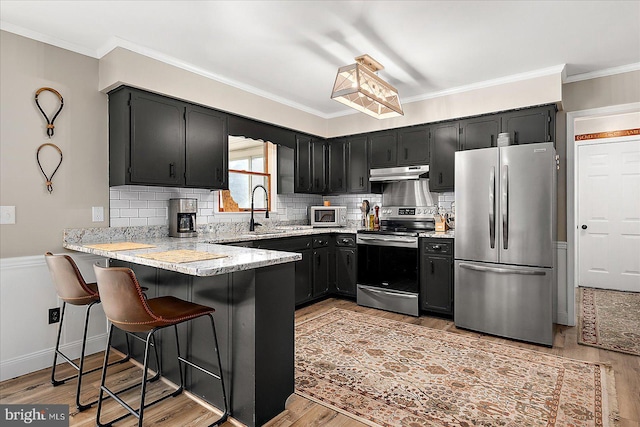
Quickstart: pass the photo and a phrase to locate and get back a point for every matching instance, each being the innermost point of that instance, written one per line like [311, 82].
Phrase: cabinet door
[383, 149]
[302, 167]
[479, 132]
[530, 126]
[443, 145]
[207, 147]
[336, 168]
[436, 284]
[413, 146]
[320, 272]
[157, 140]
[358, 165]
[346, 271]
[304, 280]
[319, 167]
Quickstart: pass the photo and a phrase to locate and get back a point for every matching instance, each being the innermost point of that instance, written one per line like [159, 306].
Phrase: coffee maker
[182, 217]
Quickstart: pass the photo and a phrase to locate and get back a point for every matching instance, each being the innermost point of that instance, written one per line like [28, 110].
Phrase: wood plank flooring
[300, 412]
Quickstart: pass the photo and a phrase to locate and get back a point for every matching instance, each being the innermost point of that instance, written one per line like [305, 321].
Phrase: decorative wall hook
[49, 179]
[50, 125]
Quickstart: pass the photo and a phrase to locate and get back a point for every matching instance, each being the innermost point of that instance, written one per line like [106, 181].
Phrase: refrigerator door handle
[492, 208]
[505, 207]
[503, 270]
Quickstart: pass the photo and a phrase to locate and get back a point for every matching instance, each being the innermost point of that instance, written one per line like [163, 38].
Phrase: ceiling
[289, 51]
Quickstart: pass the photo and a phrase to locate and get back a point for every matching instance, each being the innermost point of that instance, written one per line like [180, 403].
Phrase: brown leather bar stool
[128, 309]
[72, 289]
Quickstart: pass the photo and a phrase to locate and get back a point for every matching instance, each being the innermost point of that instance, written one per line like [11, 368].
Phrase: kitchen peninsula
[252, 292]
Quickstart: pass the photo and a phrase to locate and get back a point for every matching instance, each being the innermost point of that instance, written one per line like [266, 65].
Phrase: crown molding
[34, 35]
[603, 73]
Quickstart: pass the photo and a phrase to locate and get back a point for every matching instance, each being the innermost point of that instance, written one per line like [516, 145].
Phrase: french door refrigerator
[505, 236]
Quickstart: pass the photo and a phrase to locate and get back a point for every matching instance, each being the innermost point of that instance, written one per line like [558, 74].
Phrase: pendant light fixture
[358, 86]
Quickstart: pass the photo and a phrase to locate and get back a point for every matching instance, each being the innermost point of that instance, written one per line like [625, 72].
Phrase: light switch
[97, 213]
[7, 214]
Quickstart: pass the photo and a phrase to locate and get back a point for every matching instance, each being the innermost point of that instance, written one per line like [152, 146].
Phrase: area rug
[388, 373]
[609, 319]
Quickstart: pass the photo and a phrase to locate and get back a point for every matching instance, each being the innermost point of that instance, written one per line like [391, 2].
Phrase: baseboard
[28, 363]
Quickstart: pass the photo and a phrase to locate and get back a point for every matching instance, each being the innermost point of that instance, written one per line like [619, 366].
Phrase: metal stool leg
[57, 349]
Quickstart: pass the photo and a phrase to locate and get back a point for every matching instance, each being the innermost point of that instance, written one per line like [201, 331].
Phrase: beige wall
[121, 66]
[80, 132]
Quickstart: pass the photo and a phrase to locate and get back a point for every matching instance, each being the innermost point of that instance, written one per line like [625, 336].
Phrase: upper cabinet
[479, 132]
[155, 140]
[530, 125]
[358, 165]
[303, 164]
[336, 166]
[384, 147]
[443, 145]
[401, 147]
[207, 148]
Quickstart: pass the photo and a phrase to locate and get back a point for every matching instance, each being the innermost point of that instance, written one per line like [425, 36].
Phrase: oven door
[388, 274]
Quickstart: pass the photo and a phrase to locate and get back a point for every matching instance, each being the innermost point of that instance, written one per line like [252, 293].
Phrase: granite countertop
[236, 258]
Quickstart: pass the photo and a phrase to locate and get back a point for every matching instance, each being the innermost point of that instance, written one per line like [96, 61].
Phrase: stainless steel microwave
[328, 216]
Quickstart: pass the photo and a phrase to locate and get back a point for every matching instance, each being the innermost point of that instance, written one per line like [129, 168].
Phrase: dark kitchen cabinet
[443, 143]
[413, 146]
[321, 263]
[383, 149]
[318, 167]
[303, 268]
[303, 164]
[207, 148]
[436, 275]
[346, 259]
[530, 125]
[336, 166]
[479, 132]
[358, 165]
[156, 140]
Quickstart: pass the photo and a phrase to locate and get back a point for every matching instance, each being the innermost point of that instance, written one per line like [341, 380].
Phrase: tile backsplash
[134, 205]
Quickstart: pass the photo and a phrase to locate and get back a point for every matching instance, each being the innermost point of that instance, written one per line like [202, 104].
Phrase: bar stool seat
[127, 308]
[73, 289]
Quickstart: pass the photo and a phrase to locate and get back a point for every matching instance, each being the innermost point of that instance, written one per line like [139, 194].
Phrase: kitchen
[82, 133]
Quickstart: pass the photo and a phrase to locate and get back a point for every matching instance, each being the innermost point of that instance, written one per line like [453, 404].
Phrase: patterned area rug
[609, 320]
[389, 373]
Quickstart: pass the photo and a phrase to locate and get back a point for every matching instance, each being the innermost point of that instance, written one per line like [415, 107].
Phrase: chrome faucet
[252, 223]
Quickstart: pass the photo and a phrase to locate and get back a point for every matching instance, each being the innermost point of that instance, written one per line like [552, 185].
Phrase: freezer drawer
[388, 299]
[511, 302]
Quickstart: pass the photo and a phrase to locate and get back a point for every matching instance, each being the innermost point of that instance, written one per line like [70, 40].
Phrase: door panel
[476, 199]
[527, 200]
[609, 208]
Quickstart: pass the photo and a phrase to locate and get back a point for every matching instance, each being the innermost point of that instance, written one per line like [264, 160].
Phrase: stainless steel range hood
[403, 173]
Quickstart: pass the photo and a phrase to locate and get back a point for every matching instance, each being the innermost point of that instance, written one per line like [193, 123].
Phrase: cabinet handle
[361, 182]
[172, 170]
[432, 268]
[492, 142]
[406, 153]
[348, 259]
[317, 259]
[388, 155]
[436, 247]
[440, 178]
[218, 175]
[515, 137]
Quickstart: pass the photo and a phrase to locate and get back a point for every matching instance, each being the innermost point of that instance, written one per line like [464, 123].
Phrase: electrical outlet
[7, 214]
[54, 315]
[97, 214]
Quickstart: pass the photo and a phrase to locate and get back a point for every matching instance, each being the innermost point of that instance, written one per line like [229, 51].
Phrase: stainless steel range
[388, 259]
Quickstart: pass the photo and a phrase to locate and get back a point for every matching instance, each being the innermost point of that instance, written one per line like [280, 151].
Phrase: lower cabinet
[320, 267]
[436, 275]
[346, 259]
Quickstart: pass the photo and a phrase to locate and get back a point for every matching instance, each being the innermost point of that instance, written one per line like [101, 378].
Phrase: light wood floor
[300, 412]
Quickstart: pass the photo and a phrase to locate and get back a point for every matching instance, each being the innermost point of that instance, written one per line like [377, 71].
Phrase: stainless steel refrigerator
[505, 250]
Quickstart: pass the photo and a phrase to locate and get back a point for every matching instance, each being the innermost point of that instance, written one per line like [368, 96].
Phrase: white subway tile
[162, 212]
[129, 195]
[138, 203]
[129, 213]
[114, 194]
[119, 222]
[156, 221]
[118, 204]
[137, 222]
[114, 213]
[146, 213]
[158, 204]
[147, 195]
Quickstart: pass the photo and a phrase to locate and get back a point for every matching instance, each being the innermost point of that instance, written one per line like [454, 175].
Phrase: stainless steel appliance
[505, 241]
[402, 173]
[328, 216]
[388, 259]
[182, 217]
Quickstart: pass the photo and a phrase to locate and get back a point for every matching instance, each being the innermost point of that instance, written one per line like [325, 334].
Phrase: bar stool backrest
[68, 280]
[123, 301]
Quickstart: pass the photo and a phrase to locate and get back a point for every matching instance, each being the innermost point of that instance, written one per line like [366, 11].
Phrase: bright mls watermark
[34, 415]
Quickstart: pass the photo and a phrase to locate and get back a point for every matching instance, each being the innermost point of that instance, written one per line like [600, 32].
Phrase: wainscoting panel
[27, 341]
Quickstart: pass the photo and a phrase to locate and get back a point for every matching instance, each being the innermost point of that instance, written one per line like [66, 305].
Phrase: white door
[609, 215]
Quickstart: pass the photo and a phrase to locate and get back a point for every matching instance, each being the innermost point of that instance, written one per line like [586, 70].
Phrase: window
[251, 163]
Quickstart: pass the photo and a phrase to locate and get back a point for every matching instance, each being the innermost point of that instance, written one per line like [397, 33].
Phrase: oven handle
[395, 294]
[377, 239]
